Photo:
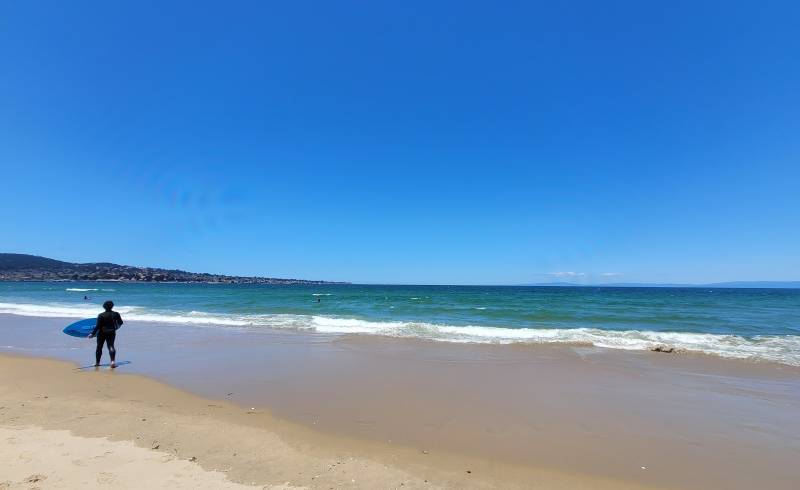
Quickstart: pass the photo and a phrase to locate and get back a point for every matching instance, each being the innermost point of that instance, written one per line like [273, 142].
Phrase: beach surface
[64, 427]
[35, 458]
[275, 408]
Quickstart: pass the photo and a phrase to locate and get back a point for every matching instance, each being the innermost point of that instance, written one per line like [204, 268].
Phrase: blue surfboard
[81, 328]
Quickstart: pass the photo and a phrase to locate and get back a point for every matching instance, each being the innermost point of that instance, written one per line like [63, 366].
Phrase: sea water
[756, 324]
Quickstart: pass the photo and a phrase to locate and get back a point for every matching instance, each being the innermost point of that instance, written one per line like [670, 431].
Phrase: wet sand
[121, 425]
[510, 414]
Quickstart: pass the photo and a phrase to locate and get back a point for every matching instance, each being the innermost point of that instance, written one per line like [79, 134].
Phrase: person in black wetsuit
[108, 322]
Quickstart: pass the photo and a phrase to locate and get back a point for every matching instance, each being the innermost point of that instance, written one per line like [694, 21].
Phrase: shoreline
[765, 348]
[589, 414]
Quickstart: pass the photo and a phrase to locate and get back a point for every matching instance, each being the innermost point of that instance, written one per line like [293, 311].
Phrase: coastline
[573, 417]
[275, 308]
[33, 268]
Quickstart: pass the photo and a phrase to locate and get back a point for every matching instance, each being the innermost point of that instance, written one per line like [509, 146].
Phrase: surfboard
[81, 328]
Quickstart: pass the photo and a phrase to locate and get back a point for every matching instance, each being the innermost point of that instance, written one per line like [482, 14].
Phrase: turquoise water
[745, 323]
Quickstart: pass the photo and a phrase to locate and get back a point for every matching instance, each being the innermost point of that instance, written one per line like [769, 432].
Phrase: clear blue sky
[406, 142]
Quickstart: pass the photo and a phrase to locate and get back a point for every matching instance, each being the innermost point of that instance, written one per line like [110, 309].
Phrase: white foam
[56, 310]
[83, 290]
[783, 349]
[135, 313]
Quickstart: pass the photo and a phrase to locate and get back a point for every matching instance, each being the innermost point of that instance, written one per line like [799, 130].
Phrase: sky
[406, 142]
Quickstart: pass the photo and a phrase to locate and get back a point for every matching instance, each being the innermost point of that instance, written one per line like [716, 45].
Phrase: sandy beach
[62, 427]
[35, 458]
[286, 408]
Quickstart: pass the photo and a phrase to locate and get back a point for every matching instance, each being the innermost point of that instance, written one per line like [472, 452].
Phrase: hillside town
[23, 267]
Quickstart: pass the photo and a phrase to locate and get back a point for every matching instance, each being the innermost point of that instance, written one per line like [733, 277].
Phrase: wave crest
[783, 349]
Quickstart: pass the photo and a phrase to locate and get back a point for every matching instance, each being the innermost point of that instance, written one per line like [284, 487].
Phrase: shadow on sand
[107, 364]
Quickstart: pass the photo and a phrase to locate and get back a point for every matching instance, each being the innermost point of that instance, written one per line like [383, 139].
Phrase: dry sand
[34, 457]
[131, 431]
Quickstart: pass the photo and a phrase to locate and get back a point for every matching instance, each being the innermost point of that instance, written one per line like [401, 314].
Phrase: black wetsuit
[108, 323]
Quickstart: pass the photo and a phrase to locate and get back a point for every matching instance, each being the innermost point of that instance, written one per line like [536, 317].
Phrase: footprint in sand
[106, 478]
[35, 478]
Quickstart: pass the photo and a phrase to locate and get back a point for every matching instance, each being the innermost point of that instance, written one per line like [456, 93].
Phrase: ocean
[755, 324]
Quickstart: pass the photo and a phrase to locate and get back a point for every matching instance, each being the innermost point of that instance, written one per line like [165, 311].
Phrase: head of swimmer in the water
[108, 305]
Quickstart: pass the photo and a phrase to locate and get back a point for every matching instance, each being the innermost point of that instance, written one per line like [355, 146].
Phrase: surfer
[108, 322]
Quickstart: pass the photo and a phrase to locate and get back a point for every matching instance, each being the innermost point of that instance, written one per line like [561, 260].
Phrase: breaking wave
[775, 348]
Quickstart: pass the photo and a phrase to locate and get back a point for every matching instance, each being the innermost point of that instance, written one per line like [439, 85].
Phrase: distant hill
[23, 267]
[730, 284]
[10, 262]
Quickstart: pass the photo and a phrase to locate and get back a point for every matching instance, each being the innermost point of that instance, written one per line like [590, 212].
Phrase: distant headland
[24, 267]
